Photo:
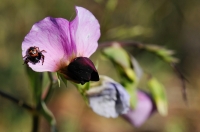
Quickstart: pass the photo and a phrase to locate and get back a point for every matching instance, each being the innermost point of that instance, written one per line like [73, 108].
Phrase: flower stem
[43, 108]
[50, 88]
[35, 122]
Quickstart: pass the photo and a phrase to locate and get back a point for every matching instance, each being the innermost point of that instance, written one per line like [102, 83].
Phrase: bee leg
[37, 48]
[25, 56]
[42, 59]
[26, 61]
[43, 51]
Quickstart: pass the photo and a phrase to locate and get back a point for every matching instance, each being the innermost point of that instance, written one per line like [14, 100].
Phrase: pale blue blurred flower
[109, 99]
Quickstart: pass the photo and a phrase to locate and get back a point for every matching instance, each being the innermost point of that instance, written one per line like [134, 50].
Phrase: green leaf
[132, 92]
[118, 55]
[61, 77]
[82, 90]
[163, 53]
[57, 74]
[128, 69]
[158, 94]
[36, 80]
[131, 87]
[121, 61]
[138, 70]
[51, 88]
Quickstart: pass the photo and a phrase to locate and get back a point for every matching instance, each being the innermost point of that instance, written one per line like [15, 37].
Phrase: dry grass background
[170, 23]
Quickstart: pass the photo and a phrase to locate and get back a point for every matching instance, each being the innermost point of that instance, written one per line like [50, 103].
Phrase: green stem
[51, 87]
[43, 108]
[48, 115]
[38, 93]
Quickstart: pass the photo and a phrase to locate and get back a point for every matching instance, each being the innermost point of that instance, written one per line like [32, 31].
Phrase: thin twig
[17, 101]
[183, 82]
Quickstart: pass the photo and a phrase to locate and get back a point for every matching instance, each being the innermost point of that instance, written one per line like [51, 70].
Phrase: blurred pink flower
[66, 46]
[144, 109]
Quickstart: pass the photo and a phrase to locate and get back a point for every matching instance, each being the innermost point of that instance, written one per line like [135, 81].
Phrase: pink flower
[64, 46]
[144, 109]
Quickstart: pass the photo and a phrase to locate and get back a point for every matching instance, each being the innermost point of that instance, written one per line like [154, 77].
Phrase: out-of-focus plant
[62, 46]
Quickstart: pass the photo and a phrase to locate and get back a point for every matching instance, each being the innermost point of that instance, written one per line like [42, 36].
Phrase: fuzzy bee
[34, 55]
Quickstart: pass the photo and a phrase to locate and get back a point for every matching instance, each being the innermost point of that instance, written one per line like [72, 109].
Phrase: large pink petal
[85, 32]
[51, 35]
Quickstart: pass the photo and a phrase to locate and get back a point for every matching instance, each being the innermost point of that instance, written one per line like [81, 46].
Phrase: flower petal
[123, 102]
[51, 35]
[85, 32]
[104, 103]
[109, 99]
[143, 110]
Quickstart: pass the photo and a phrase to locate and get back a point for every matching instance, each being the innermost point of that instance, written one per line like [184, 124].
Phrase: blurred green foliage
[122, 62]
[170, 23]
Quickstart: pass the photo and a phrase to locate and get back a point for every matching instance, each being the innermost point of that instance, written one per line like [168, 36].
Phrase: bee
[34, 55]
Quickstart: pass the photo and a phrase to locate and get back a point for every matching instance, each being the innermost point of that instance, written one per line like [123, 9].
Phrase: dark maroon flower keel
[80, 70]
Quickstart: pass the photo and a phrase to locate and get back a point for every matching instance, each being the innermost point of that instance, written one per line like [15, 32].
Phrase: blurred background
[174, 24]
